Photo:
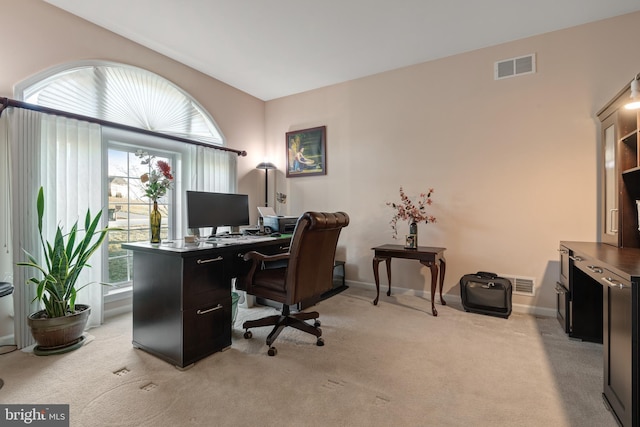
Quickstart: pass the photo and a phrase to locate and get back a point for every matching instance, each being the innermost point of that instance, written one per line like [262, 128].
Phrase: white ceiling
[274, 48]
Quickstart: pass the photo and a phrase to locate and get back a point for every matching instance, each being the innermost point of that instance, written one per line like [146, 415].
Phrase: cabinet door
[609, 212]
[617, 325]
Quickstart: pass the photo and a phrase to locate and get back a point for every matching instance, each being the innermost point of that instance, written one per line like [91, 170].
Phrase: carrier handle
[486, 274]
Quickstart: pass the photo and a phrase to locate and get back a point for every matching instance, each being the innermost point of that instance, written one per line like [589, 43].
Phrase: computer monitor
[205, 209]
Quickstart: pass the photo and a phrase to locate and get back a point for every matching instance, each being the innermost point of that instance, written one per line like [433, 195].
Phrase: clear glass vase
[155, 218]
[412, 237]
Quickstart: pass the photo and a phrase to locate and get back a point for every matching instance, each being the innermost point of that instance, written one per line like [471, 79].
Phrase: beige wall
[513, 162]
[39, 36]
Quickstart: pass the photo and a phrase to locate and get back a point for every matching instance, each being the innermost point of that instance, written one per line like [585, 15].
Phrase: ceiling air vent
[521, 285]
[515, 67]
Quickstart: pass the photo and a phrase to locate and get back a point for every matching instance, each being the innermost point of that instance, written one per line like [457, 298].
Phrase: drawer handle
[609, 281]
[576, 258]
[595, 269]
[563, 251]
[218, 307]
[204, 261]
[285, 248]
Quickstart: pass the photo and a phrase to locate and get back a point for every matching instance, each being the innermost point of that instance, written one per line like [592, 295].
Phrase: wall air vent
[521, 285]
[514, 67]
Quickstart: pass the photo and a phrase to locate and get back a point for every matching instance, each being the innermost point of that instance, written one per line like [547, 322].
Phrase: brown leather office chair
[308, 274]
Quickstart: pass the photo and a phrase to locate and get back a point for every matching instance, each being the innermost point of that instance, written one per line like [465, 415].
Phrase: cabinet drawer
[590, 267]
[206, 330]
[205, 280]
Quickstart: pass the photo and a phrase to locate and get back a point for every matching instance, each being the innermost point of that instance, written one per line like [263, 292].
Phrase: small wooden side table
[428, 256]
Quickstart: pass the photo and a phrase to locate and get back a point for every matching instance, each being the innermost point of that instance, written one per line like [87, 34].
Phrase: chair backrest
[312, 254]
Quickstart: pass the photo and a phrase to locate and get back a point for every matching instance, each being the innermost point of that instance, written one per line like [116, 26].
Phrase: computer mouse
[275, 234]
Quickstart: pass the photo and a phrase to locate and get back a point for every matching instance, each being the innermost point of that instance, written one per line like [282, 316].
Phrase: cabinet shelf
[633, 172]
[630, 137]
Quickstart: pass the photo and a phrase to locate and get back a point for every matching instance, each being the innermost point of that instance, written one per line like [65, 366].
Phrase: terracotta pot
[59, 332]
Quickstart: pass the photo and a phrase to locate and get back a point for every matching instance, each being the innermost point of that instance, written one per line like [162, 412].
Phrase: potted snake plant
[59, 326]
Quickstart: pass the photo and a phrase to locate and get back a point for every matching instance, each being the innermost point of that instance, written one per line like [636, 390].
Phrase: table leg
[388, 261]
[443, 269]
[433, 266]
[376, 262]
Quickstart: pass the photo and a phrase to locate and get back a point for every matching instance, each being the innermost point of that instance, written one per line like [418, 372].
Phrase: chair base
[281, 321]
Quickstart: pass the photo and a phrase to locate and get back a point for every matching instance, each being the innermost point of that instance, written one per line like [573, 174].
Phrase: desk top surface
[179, 246]
[623, 261]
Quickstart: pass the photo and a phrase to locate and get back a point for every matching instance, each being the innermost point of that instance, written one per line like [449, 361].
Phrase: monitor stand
[235, 231]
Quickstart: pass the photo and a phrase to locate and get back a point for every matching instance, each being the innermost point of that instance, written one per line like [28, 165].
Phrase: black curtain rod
[6, 102]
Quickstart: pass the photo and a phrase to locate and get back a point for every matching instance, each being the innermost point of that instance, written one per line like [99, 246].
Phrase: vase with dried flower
[413, 212]
[156, 182]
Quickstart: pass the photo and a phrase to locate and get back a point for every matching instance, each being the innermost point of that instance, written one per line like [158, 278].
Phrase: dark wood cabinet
[182, 297]
[604, 282]
[619, 173]
[618, 348]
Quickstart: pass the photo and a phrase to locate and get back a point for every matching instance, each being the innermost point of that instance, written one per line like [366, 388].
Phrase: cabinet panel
[563, 295]
[609, 223]
[618, 326]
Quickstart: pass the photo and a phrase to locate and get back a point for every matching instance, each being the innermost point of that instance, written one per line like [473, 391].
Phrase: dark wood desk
[182, 295]
[428, 256]
[604, 306]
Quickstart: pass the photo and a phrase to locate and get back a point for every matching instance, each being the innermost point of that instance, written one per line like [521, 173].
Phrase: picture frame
[306, 152]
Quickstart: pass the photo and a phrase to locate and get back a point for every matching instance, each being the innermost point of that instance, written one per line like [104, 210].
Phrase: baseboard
[7, 340]
[118, 306]
[517, 308]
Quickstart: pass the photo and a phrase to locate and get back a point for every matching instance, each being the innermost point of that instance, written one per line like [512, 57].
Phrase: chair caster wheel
[320, 342]
[247, 335]
[272, 351]
[316, 323]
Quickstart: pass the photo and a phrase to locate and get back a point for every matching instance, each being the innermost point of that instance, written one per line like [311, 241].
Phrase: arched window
[122, 94]
[138, 98]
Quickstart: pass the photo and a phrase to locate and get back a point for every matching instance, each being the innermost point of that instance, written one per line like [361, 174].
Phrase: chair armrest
[257, 259]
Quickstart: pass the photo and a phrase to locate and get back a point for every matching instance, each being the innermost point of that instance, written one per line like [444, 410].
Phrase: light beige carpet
[387, 365]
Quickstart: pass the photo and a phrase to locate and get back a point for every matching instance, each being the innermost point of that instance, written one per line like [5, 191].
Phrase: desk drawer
[206, 330]
[205, 280]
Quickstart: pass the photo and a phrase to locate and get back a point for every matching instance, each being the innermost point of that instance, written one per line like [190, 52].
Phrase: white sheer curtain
[63, 156]
[72, 179]
[212, 170]
[208, 169]
[23, 132]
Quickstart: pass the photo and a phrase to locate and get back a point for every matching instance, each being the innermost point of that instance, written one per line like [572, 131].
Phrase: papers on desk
[220, 241]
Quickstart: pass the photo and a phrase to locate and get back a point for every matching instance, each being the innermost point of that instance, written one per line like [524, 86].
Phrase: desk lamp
[266, 166]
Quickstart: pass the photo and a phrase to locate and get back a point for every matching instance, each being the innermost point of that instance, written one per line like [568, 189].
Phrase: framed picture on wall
[307, 152]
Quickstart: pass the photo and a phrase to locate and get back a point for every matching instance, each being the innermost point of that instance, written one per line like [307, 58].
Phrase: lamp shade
[266, 166]
[634, 103]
